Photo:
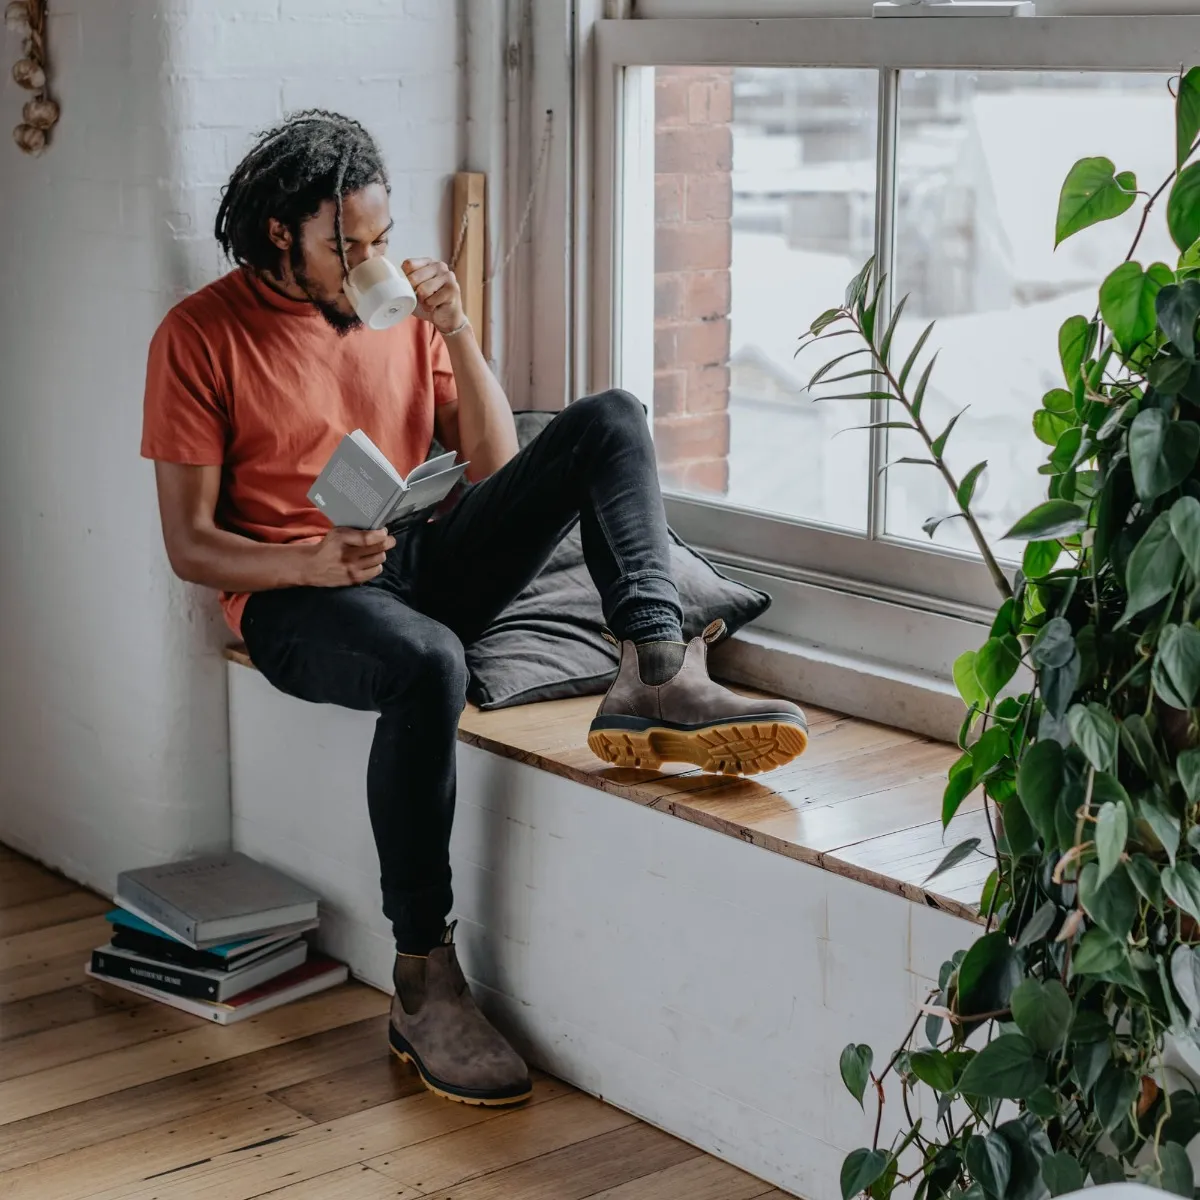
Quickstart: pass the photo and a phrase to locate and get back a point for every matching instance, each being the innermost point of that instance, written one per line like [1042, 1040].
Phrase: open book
[360, 489]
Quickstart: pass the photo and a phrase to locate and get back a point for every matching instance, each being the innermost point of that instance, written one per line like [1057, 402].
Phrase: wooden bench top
[863, 801]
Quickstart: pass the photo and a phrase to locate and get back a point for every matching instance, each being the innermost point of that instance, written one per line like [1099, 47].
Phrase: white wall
[703, 984]
[113, 729]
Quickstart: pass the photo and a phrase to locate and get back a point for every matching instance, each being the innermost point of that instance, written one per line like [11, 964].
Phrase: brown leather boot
[436, 1026]
[681, 715]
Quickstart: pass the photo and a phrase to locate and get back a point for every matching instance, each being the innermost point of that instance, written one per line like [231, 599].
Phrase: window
[745, 171]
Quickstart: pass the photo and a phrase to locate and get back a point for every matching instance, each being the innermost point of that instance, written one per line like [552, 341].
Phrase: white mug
[380, 293]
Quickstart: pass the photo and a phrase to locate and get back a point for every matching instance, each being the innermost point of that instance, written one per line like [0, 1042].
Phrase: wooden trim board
[864, 801]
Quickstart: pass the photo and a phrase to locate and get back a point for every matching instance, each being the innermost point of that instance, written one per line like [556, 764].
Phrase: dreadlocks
[313, 156]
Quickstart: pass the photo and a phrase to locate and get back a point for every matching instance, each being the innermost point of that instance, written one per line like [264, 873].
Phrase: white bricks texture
[113, 723]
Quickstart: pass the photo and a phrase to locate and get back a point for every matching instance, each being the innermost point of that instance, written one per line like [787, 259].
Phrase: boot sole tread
[439, 1088]
[731, 748]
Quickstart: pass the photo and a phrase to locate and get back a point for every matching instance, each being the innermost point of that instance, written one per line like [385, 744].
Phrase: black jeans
[395, 645]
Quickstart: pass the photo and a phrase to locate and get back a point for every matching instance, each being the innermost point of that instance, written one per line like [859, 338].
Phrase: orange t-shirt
[246, 379]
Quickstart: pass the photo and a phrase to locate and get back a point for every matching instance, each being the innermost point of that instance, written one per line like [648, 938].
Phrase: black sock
[659, 662]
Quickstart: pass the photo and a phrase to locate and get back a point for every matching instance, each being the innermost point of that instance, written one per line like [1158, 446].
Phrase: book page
[425, 493]
[369, 448]
[434, 466]
[348, 483]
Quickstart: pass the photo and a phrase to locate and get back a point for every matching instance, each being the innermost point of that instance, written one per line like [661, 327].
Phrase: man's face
[312, 264]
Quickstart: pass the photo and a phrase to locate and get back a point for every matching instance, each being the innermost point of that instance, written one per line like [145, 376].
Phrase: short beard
[341, 323]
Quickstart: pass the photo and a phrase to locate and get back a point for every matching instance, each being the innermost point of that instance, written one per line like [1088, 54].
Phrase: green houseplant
[1038, 1062]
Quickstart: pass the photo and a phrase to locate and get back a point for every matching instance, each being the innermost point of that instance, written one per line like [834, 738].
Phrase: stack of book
[219, 935]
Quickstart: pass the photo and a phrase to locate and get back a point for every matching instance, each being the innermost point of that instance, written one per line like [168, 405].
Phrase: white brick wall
[113, 730]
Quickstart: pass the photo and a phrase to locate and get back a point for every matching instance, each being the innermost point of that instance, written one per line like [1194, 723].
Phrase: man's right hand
[345, 557]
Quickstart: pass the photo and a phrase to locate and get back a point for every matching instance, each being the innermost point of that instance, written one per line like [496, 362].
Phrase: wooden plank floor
[105, 1095]
[864, 800]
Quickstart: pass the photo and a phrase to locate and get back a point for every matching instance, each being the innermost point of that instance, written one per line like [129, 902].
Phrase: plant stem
[1166, 183]
[989, 559]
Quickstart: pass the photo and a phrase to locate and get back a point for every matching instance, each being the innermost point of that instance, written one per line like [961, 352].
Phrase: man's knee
[429, 668]
[615, 407]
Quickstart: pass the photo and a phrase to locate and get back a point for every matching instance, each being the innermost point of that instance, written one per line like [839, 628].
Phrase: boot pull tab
[714, 631]
[608, 635]
[448, 934]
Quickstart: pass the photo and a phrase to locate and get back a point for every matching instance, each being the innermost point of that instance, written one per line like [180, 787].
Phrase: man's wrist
[299, 560]
[460, 326]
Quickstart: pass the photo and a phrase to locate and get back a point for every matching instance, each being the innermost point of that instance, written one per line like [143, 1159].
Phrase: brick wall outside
[693, 197]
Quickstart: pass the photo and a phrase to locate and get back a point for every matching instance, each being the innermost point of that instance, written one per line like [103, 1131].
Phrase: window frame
[934, 579]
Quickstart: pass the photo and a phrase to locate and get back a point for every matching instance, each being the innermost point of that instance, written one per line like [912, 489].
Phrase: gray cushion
[547, 644]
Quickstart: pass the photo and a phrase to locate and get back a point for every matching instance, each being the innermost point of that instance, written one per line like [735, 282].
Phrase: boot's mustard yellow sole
[518, 1096]
[746, 747]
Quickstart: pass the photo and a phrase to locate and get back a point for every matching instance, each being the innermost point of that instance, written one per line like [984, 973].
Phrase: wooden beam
[470, 241]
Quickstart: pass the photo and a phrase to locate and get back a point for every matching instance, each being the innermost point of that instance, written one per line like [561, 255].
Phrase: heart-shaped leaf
[1093, 192]
[1185, 975]
[989, 1160]
[1153, 567]
[1062, 1174]
[1076, 340]
[1182, 885]
[861, 1169]
[993, 745]
[1187, 116]
[1127, 301]
[1188, 766]
[1103, 1168]
[1112, 830]
[1098, 953]
[1183, 207]
[1038, 925]
[1184, 1122]
[1144, 875]
[1095, 733]
[1049, 426]
[1007, 1068]
[855, 1066]
[1043, 1013]
[1090, 1060]
[1176, 1170]
[1054, 518]
[1152, 808]
[996, 663]
[1054, 644]
[1176, 670]
[1185, 527]
[1136, 738]
[1040, 558]
[932, 1067]
[1111, 903]
[1039, 783]
[1169, 375]
[966, 681]
[1058, 686]
[1161, 452]
[1116, 1090]
[1177, 307]
[960, 784]
[987, 975]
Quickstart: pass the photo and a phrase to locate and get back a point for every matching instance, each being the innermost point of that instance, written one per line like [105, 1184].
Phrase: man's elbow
[185, 560]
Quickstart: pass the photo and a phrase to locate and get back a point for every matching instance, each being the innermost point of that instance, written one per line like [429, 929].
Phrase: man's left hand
[439, 299]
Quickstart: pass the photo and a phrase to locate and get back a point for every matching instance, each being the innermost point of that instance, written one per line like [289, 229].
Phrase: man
[251, 383]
